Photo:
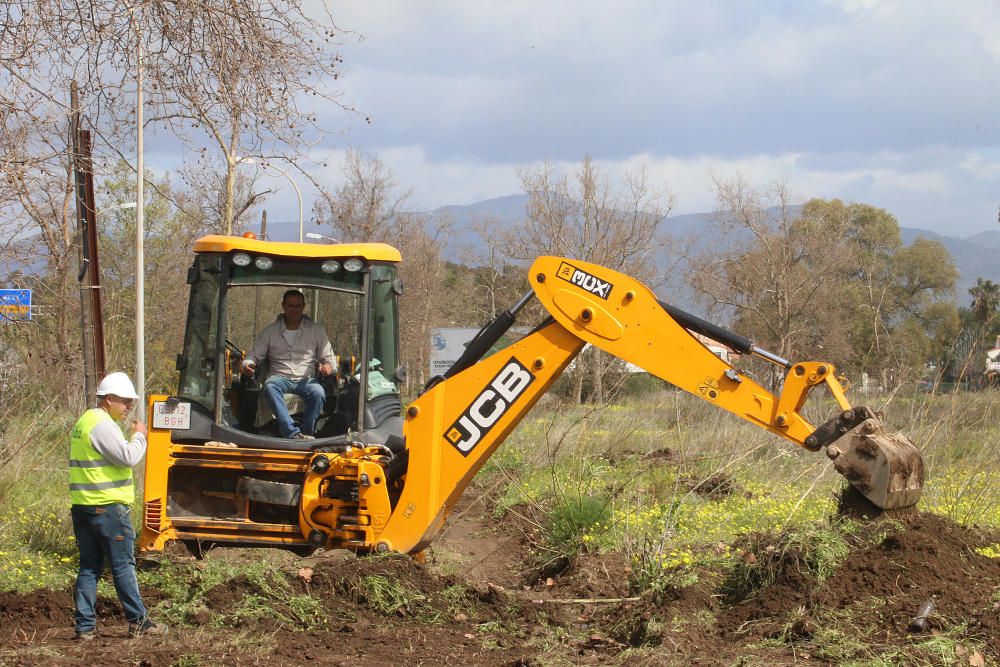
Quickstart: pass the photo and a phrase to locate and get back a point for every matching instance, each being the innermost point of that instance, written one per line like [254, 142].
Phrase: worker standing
[102, 491]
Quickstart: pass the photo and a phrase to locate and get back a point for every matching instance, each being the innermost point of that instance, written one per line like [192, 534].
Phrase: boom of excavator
[383, 479]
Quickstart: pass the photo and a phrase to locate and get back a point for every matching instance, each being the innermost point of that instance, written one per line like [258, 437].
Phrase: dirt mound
[878, 589]
[375, 610]
[591, 576]
[677, 620]
[37, 610]
[43, 609]
[928, 557]
[716, 486]
[870, 598]
[345, 577]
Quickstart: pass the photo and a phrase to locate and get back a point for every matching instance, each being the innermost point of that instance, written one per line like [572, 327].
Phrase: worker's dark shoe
[87, 636]
[147, 627]
[301, 436]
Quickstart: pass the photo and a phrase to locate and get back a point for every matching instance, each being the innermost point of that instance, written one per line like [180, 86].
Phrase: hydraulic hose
[733, 340]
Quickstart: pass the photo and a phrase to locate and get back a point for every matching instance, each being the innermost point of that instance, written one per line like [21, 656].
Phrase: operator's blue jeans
[104, 533]
[311, 391]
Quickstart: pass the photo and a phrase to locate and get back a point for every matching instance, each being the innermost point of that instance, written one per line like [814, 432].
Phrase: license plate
[176, 416]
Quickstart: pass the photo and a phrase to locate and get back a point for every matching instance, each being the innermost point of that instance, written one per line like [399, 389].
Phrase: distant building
[716, 348]
[993, 365]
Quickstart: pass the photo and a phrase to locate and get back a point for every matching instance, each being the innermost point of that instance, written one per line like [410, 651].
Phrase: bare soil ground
[477, 599]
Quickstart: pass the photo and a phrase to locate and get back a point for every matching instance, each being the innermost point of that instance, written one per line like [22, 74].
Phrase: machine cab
[237, 286]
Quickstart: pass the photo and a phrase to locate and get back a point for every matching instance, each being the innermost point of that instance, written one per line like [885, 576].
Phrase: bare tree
[242, 77]
[368, 208]
[423, 272]
[497, 282]
[366, 205]
[40, 191]
[236, 78]
[247, 74]
[208, 193]
[780, 275]
[585, 217]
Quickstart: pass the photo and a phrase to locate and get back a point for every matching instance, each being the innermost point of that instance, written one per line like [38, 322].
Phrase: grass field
[589, 469]
[679, 491]
[726, 478]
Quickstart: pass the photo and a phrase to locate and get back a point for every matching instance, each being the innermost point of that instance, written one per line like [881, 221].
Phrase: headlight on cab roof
[263, 263]
[241, 259]
[353, 264]
[330, 266]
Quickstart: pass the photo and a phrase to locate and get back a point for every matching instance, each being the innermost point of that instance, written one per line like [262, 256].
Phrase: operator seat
[264, 414]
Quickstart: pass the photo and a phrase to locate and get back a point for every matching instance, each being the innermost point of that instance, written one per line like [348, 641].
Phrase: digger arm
[454, 427]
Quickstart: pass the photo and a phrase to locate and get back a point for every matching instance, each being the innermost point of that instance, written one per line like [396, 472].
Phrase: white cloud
[921, 198]
[884, 100]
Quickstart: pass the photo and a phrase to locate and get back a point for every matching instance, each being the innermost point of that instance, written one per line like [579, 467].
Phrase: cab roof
[373, 252]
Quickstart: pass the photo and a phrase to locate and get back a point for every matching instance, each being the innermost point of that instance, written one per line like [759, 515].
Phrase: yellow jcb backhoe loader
[381, 478]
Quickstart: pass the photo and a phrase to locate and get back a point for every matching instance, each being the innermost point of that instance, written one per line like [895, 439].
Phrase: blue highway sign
[15, 304]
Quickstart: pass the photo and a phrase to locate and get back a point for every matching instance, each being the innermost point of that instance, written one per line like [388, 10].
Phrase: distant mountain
[977, 256]
[505, 211]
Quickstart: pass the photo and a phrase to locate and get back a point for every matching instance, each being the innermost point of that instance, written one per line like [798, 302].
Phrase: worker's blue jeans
[311, 391]
[104, 533]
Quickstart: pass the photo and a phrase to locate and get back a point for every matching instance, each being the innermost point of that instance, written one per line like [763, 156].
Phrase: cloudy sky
[895, 104]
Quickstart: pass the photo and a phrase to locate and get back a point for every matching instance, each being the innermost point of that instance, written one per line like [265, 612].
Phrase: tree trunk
[227, 209]
[597, 389]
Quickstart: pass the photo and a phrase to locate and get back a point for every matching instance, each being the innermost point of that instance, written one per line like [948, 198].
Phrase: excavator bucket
[885, 468]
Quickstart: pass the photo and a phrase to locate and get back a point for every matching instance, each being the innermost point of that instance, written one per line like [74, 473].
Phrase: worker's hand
[249, 367]
[326, 369]
[139, 427]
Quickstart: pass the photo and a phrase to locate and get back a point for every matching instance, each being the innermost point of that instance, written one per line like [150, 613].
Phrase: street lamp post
[117, 207]
[298, 193]
[140, 260]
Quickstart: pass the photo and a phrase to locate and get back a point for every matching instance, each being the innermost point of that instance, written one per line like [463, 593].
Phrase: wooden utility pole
[91, 310]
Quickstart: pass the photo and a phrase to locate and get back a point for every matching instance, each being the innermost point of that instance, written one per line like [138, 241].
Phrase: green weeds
[37, 547]
[188, 660]
[187, 589]
[808, 554]
[571, 519]
[387, 596]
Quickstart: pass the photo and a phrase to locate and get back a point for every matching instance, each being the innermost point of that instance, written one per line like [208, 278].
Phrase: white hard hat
[118, 384]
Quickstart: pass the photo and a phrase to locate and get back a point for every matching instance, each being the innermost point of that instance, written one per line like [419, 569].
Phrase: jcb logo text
[584, 280]
[489, 406]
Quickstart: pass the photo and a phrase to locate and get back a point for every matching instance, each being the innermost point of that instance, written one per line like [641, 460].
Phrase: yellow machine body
[368, 498]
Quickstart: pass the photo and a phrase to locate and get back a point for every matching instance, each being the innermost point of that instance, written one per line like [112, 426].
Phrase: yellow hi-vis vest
[93, 480]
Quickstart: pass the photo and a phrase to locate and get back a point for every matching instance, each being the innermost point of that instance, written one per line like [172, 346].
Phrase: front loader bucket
[886, 469]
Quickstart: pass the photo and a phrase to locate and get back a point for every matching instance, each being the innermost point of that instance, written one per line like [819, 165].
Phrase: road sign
[15, 304]
[447, 345]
